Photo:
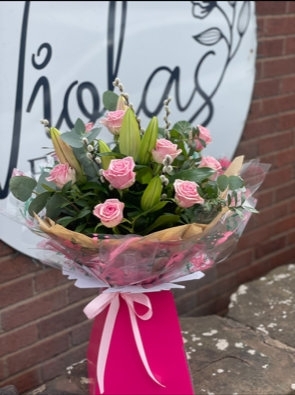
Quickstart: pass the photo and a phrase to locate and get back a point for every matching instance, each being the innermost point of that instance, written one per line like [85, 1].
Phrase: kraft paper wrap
[182, 232]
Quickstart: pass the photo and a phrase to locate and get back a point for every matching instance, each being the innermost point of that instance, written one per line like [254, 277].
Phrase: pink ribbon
[97, 305]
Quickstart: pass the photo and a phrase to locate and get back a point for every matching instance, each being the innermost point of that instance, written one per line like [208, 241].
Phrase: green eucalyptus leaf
[129, 140]
[152, 194]
[110, 100]
[79, 127]
[92, 135]
[235, 182]
[148, 142]
[39, 203]
[44, 185]
[88, 166]
[22, 187]
[210, 190]
[222, 182]
[182, 127]
[76, 141]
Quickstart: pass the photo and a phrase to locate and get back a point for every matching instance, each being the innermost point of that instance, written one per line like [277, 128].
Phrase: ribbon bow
[97, 305]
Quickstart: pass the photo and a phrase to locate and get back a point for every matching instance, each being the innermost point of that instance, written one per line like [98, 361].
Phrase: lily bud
[64, 152]
[148, 142]
[152, 194]
[105, 159]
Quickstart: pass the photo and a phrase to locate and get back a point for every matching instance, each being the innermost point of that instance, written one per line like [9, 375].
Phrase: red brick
[260, 127]
[271, 47]
[34, 308]
[81, 332]
[289, 45]
[266, 88]
[3, 370]
[269, 246]
[265, 199]
[235, 262]
[16, 266]
[24, 381]
[6, 250]
[54, 367]
[276, 178]
[280, 142]
[286, 121]
[259, 68]
[249, 149]
[268, 215]
[15, 291]
[279, 258]
[275, 105]
[48, 278]
[284, 225]
[291, 238]
[256, 270]
[290, 7]
[285, 193]
[62, 319]
[278, 67]
[286, 157]
[50, 348]
[279, 25]
[75, 294]
[258, 235]
[255, 109]
[18, 339]
[292, 205]
[287, 84]
[271, 7]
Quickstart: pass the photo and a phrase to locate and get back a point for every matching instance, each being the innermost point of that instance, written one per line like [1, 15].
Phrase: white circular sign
[59, 57]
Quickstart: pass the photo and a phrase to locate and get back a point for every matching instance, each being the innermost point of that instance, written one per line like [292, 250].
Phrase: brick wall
[42, 325]
[269, 135]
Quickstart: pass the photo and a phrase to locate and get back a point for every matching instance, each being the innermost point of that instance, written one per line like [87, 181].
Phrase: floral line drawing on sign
[231, 33]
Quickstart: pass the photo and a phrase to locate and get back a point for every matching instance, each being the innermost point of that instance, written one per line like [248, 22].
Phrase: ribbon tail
[140, 346]
[105, 341]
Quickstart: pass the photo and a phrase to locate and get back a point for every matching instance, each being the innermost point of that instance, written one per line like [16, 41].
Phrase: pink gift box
[166, 370]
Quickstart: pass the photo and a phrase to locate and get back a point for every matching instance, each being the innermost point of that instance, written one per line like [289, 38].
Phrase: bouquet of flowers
[137, 214]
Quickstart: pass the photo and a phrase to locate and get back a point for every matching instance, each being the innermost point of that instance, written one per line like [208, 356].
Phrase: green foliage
[22, 187]
[150, 203]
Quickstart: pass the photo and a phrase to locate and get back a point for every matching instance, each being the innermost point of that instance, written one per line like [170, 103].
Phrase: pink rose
[120, 173]
[61, 174]
[210, 161]
[110, 212]
[113, 120]
[203, 138]
[186, 193]
[165, 147]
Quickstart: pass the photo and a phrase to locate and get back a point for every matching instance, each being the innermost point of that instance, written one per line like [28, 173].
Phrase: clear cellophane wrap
[159, 257]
